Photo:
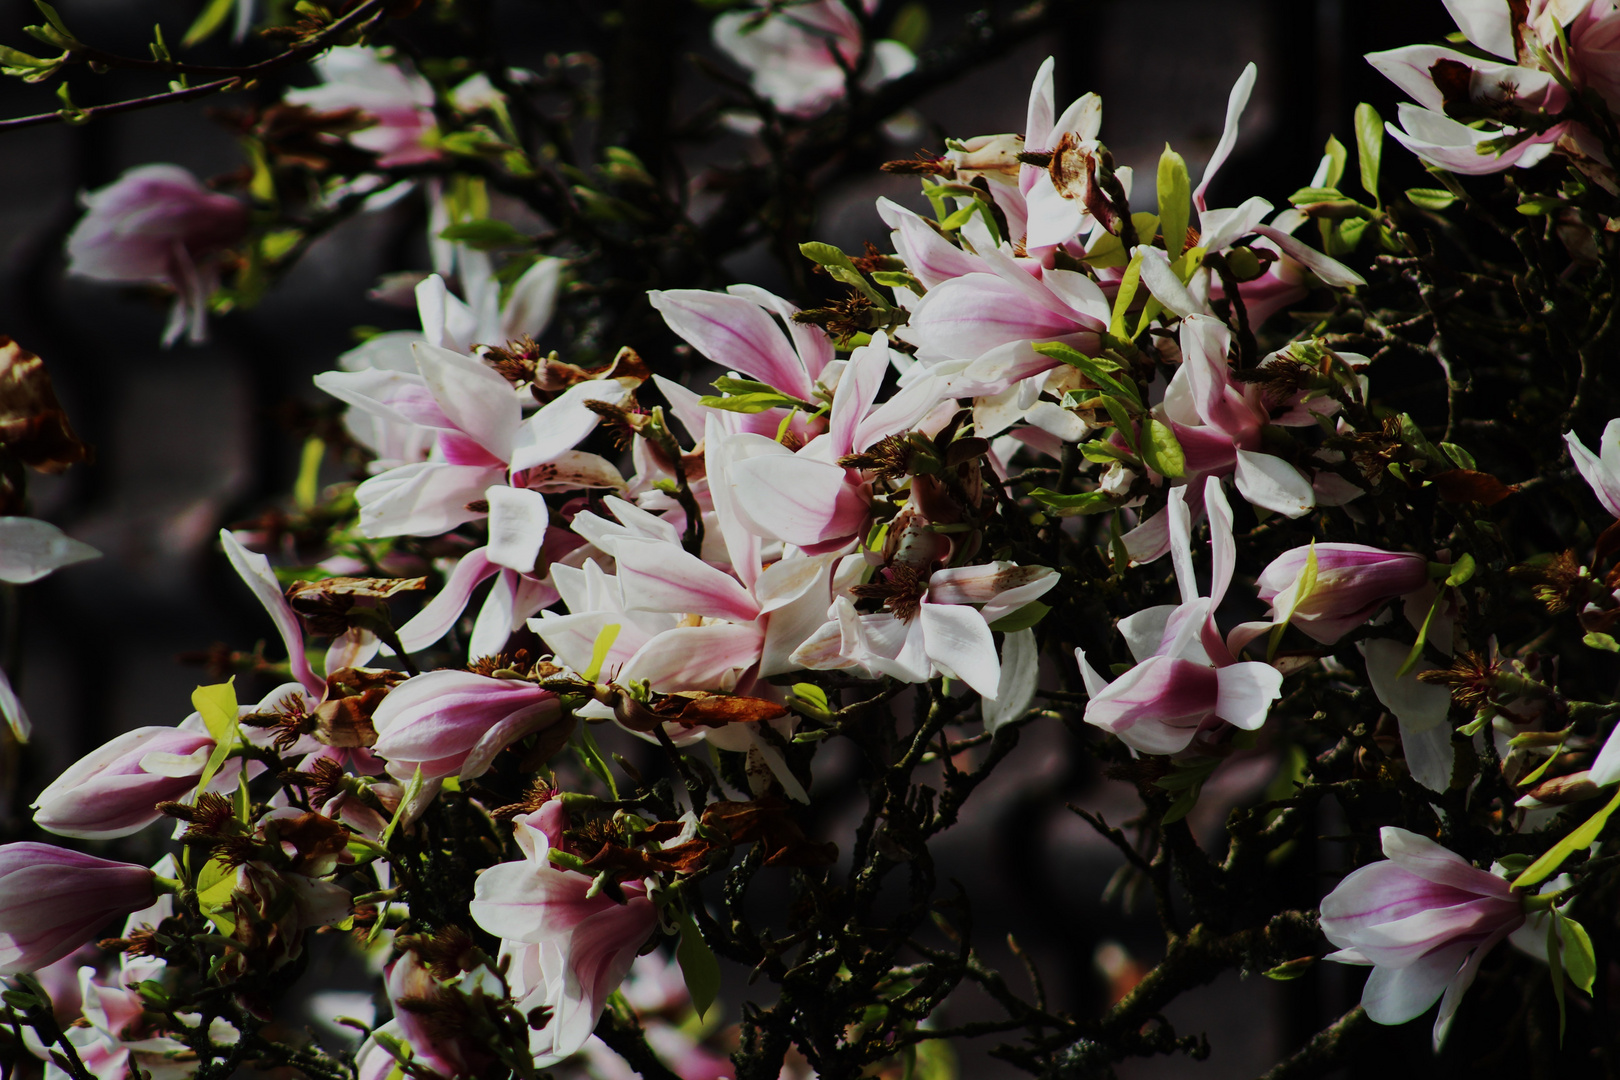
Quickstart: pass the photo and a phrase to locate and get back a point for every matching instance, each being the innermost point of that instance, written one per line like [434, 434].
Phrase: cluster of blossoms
[924, 490]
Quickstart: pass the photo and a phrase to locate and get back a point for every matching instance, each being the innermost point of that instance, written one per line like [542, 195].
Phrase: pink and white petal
[1270, 482]
[1423, 857]
[496, 622]
[1145, 631]
[736, 334]
[1396, 995]
[352, 648]
[561, 423]
[440, 614]
[1602, 478]
[1165, 285]
[254, 570]
[1223, 550]
[1020, 672]
[1460, 983]
[655, 576]
[509, 730]
[791, 625]
[474, 398]
[814, 347]
[1329, 269]
[1486, 23]
[696, 657]
[422, 499]
[958, 640]
[1247, 690]
[858, 388]
[742, 545]
[1235, 104]
[795, 498]
[929, 256]
[517, 527]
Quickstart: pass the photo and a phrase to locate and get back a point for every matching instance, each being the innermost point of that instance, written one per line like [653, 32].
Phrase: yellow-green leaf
[1569, 845]
[217, 704]
[1175, 201]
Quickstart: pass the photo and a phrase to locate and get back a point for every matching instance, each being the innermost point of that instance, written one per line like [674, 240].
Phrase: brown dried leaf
[33, 427]
[1466, 485]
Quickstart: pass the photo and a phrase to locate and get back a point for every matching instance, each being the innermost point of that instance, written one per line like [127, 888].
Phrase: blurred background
[192, 438]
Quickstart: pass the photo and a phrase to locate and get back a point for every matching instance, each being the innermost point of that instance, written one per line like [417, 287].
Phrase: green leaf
[215, 885]
[307, 487]
[813, 696]
[1336, 154]
[53, 18]
[484, 234]
[12, 58]
[1161, 452]
[599, 651]
[840, 267]
[1101, 372]
[1121, 417]
[749, 403]
[1430, 198]
[408, 796]
[1086, 502]
[217, 704]
[1461, 570]
[1459, 457]
[1308, 196]
[698, 965]
[1540, 207]
[1605, 642]
[591, 756]
[910, 26]
[1127, 293]
[210, 19]
[1582, 837]
[1022, 619]
[896, 279]
[1175, 201]
[1292, 969]
[1104, 453]
[1370, 146]
[1580, 961]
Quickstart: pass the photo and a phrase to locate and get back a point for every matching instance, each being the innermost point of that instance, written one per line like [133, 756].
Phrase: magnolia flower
[1601, 473]
[1352, 582]
[158, 225]
[939, 625]
[451, 723]
[1436, 77]
[796, 54]
[114, 790]
[571, 946]
[1186, 679]
[1218, 422]
[487, 458]
[53, 900]
[399, 102]
[1425, 919]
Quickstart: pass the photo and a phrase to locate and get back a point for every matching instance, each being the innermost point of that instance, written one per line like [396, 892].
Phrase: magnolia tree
[574, 634]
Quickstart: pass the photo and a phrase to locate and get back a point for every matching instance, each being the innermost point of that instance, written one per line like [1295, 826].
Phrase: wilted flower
[52, 900]
[1425, 919]
[158, 225]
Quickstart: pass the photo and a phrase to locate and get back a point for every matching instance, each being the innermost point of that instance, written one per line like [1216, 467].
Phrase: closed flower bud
[53, 900]
[455, 722]
[1352, 582]
[114, 791]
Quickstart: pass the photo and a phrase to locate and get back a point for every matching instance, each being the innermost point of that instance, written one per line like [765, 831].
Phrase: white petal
[30, 549]
[1020, 669]
[957, 638]
[517, 526]
[1421, 709]
[472, 395]
[1246, 693]
[1270, 482]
